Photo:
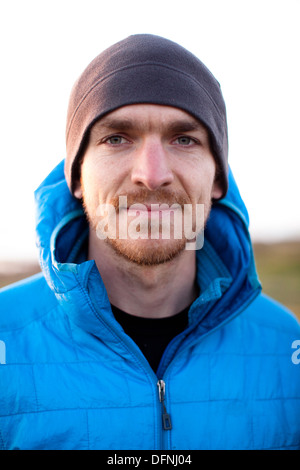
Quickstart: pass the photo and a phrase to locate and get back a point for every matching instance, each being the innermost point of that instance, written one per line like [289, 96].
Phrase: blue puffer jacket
[71, 378]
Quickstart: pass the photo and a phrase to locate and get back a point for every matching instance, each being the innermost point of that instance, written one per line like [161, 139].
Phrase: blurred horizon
[277, 263]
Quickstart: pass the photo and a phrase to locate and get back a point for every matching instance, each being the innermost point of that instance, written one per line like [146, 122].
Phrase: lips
[148, 209]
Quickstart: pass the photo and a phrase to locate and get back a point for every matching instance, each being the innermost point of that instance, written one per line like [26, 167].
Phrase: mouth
[150, 209]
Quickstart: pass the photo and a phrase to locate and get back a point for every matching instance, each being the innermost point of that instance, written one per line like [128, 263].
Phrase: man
[130, 339]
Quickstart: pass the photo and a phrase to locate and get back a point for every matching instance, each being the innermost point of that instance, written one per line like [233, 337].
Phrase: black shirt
[152, 335]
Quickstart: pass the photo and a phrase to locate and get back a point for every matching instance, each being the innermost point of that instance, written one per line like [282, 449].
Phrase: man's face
[153, 155]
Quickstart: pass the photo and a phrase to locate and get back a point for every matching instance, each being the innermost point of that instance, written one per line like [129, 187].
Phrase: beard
[147, 252]
[144, 249]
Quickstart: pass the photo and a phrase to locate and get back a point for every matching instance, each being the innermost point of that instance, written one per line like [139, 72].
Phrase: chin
[147, 252]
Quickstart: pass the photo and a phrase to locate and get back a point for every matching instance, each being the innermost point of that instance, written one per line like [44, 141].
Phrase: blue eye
[116, 140]
[185, 140]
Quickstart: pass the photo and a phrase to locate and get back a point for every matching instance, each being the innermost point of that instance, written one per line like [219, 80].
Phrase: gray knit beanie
[145, 69]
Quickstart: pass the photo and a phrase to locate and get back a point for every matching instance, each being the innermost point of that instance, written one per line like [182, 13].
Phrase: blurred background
[252, 48]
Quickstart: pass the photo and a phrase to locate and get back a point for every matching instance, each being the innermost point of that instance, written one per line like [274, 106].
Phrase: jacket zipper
[166, 418]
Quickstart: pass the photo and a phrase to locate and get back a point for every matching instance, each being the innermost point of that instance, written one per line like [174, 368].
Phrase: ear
[216, 190]
[78, 190]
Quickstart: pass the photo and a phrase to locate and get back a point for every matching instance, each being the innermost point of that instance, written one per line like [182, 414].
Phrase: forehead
[148, 117]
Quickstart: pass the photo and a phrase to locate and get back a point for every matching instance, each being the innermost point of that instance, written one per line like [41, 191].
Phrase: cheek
[100, 182]
[90, 185]
[199, 180]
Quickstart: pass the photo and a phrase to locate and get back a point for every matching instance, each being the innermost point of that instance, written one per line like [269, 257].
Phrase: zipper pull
[166, 418]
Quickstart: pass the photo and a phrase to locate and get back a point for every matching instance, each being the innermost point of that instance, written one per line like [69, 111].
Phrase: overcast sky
[252, 48]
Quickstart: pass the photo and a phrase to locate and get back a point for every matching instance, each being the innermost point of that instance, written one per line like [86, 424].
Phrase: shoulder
[25, 301]
[270, 331]
[270, 314]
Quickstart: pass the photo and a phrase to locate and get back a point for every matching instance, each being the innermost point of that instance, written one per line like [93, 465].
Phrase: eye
[115, 140]
[185, 140]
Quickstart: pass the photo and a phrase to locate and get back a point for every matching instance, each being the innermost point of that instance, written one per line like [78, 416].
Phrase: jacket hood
[61, 229]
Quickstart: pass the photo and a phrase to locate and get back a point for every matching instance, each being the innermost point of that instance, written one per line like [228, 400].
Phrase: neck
[148, 291]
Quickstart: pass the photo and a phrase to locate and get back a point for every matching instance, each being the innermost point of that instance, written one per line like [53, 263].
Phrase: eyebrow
[126, 124]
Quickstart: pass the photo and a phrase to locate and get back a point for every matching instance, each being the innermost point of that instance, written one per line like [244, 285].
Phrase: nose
[150, 167]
